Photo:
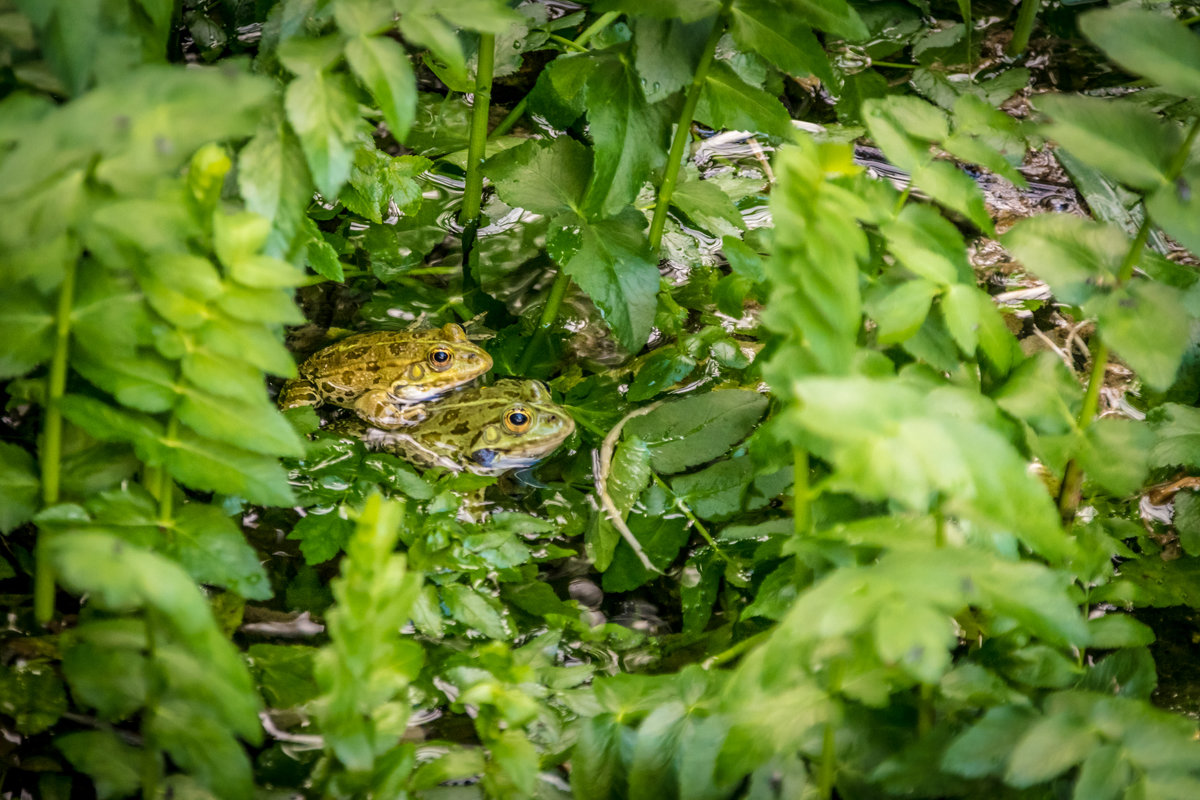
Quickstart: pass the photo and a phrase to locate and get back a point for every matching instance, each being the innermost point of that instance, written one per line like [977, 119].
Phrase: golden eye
[440, 358]
[517, 420]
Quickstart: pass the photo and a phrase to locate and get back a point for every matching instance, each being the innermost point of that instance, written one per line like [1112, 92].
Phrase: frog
[386, 377]
[487, 430]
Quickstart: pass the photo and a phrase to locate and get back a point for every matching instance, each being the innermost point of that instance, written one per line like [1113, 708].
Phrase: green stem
[925, 715]
[554, 299]
[893, 64]
[151, 764]
[734, 651]
[567, 43]
[827, 773]
[51, 455]
[472, 202]
[687, 512]
[683, 130]
[166, 487]
[519, 109]
[801, 500]
[1070, 492]
[1024, 27]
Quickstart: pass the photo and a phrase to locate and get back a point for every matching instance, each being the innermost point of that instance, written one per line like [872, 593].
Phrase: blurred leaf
[707, 205]
[1149, 44]
[1176, 206]
[471, 609]
[596, 764]
[383, 67]
[900, 311]
[835, 16]
[114, 766]
[1121, 138]
[1047, 749]
[105, 667]
[698, 428]
[1071, 254]
[1115, 454]
[201, 745]
[651, 769]
[212, 549]
[19, 487]
[1178, 430]
[285, 673]
[325, 119]
[32, 694]
[1147, 325]
[273, 178]
[1187, 521]
[203, 463]
[26, 320]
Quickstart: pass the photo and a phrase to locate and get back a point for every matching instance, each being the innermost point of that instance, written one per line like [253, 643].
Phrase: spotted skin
[486, 430]
[386, 376]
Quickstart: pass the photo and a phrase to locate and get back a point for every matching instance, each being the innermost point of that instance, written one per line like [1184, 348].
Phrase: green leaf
[25, 324]
[273, 178]
[706, 204]
[322, 535]
[1147, 325]
[325, 118]
[256, 425]
[440, 38]
[19, 487]
[715, 492]
[1115, 454]
[917, 638]
[1178, 430]
[949, 186]
[663, 369]
[213, 550]
[729, 102]
[559, 92]
[1149, 44]
[742, 259]
[201, 745]
[1175, 207]
[698, 587]
[929, 245]
[1187, 521]
[835, 16]
[202, 463]
[32, 694]
[114, 767]
[1105, 774]
[1114, 630]
[698, 428]
[597, 771]
[629, 476]
[975, 323]
[1049, 748]
[284, 672]
[105, 668]
[470, 608]
[1123, 139]
[651, 771]
[610, 260]
[547, 178]
[666, 53]
[900, 311]
[1070, 253]
[661, 534]
[629, 138]
[984, 749]
[762, 27]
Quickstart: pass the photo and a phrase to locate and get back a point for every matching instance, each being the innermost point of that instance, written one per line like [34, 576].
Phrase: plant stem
[468, 216]
[567, 43]
[1024, 27]
[1069, 493]
[550, 313]
[683, 129]
[166, 487]
[893, 64]
[801, 501]
[519, 109]
[51, 455]
[734, 651]
[827, 773]
[151, 765]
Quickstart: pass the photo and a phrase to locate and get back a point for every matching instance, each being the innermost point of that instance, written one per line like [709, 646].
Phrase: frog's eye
[440, 358]
[517, 420]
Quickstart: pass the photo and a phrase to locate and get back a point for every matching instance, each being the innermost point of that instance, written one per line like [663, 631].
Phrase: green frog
[386, 376]
[486, 430]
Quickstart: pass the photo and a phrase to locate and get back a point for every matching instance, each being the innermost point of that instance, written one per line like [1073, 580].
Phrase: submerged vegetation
[876, 321]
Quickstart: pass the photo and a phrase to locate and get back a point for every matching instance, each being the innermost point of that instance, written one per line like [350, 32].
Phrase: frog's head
[449, 360]
[521, 427]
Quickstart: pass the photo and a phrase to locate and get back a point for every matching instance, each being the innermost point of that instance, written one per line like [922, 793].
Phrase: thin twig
[604, 464]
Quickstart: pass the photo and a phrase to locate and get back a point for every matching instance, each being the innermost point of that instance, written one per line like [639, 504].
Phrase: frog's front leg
[298, 392]
[378, 408]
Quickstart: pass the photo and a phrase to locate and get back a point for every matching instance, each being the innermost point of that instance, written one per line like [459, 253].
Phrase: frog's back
[372, 352]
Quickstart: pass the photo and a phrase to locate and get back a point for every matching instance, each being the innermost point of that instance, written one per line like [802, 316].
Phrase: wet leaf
[697, 429]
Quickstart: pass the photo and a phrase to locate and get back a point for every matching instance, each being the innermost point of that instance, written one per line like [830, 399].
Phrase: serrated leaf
[273, 178]
[256, 425]
[202, 463]
[929, 245]
[706, 204]
[629, 137]
[547, 178]
[729, 102]
[762, 27]
[984, 749]
[697, 429]
[468, 607]
[321, 535]
[1069, 253]
[610, 260]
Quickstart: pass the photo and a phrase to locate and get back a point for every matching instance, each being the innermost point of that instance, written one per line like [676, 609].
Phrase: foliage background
[851, 585]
